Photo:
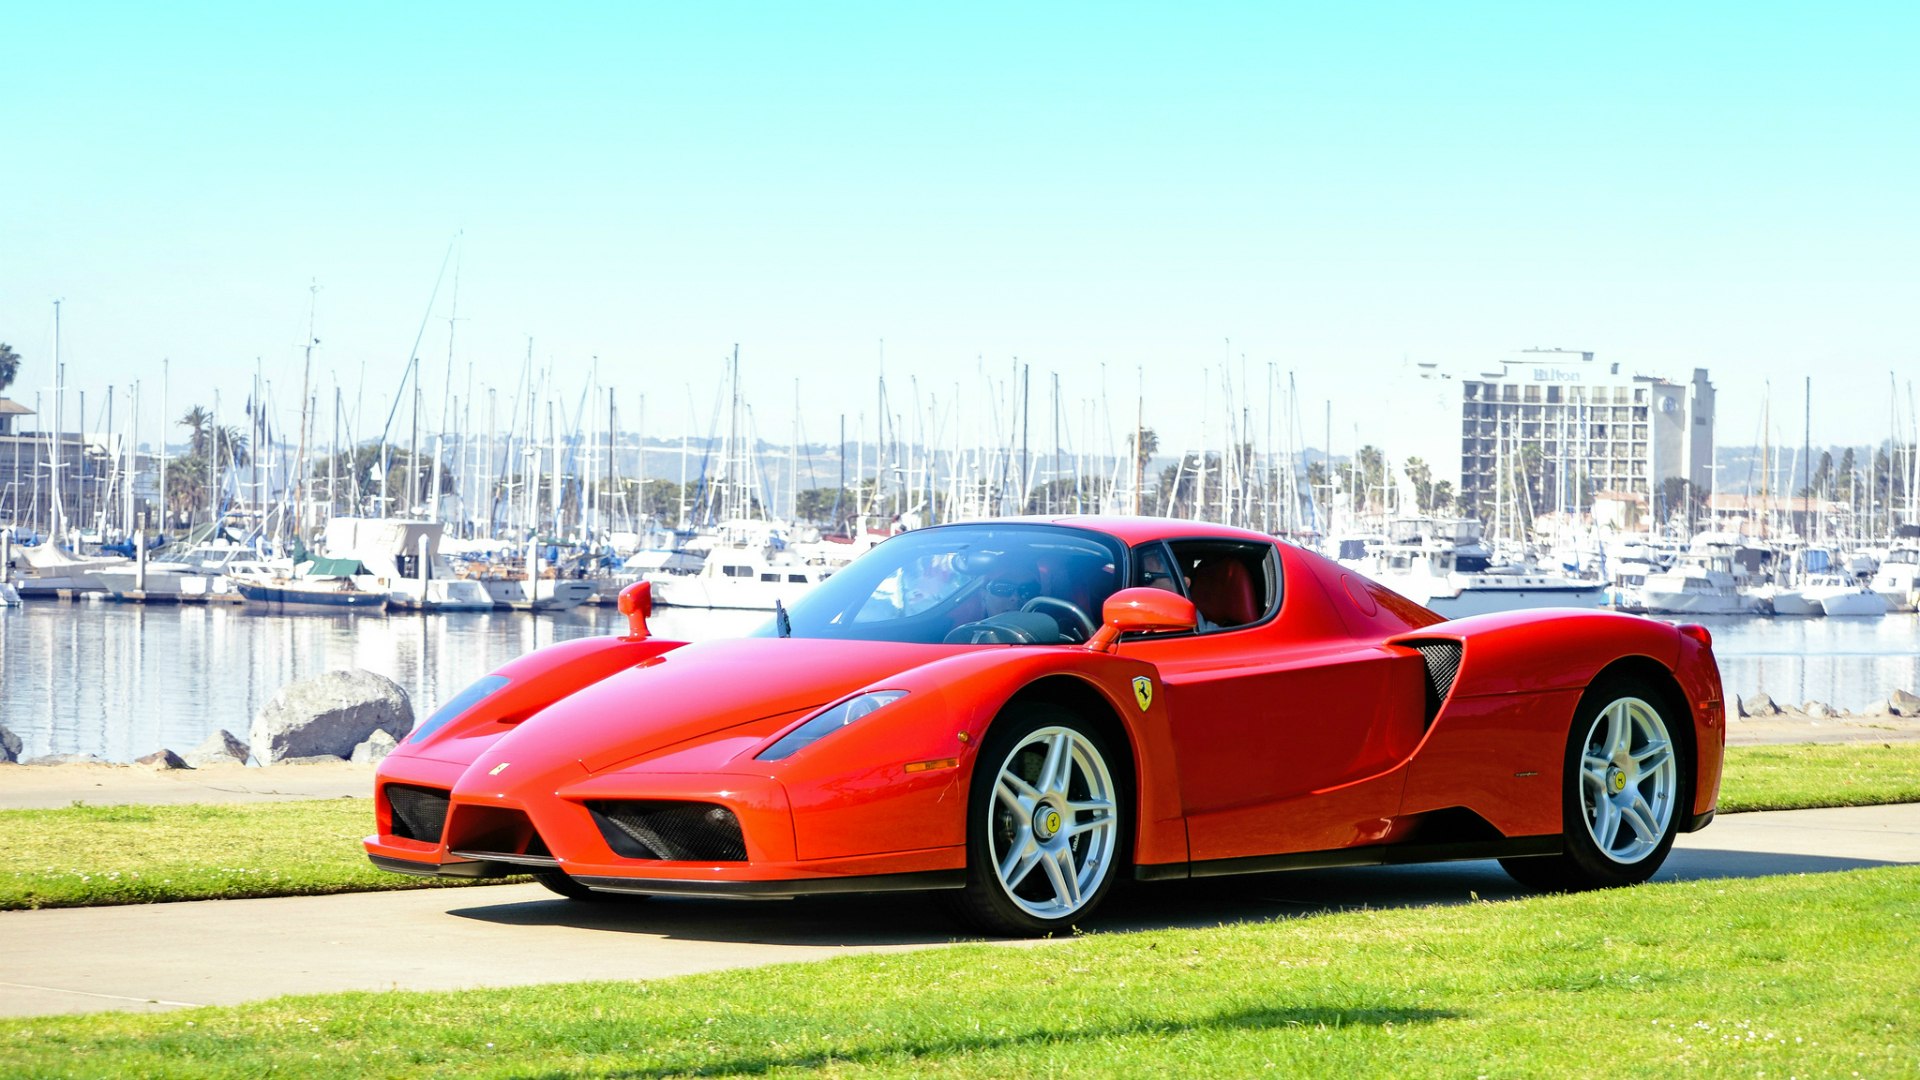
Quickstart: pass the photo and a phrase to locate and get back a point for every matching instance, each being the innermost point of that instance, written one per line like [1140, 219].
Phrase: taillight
[1698, 633]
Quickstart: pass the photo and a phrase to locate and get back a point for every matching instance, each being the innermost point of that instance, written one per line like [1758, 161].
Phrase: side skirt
[1375, 855]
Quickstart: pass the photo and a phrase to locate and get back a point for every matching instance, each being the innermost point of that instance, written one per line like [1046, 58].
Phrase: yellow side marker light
[938, 763]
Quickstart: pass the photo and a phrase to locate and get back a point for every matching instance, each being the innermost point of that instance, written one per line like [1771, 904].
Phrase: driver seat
[1223, 591]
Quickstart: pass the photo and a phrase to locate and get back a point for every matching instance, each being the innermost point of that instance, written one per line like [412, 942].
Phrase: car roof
[1130, 530]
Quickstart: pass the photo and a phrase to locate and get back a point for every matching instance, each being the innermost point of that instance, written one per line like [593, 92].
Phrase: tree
[1421, 476]
[9, 365]
[1443, 496]
[198, 421]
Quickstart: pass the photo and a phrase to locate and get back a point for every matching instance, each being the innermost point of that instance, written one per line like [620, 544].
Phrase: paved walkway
[164, 956]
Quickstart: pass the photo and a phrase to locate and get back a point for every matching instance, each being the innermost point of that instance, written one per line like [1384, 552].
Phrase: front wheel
[1045, 825]
[1624, 784]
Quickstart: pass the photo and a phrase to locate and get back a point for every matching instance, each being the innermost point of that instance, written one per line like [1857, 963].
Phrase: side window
[1231, 583]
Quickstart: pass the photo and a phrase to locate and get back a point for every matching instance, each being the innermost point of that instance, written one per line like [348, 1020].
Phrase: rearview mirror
[1134, 611]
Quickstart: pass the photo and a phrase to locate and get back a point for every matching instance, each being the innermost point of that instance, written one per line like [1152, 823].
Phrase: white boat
[1840, 596]
[195, 575]
[49, 570]
[403, 556]
[1787, 600]
[742, 579]
[1701, 583]
[1898, 579]
[9, 596]
[537, 593]
[1444, 566]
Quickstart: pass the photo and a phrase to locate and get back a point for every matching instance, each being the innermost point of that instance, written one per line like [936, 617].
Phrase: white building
[1550, 430]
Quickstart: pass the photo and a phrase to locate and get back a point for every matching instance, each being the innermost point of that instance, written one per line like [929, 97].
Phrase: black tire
[1042, 841]
[1625, 790]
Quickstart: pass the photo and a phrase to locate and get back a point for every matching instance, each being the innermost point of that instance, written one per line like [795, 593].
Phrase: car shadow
[908, 919]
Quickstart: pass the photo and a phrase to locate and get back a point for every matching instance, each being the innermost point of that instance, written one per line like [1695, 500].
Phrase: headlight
[466, 699]
[828, 721]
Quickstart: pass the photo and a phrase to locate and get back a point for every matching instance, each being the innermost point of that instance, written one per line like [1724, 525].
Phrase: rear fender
[1532, 652]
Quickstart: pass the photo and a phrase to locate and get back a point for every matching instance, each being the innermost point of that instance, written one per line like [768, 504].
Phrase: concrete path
[164, 956]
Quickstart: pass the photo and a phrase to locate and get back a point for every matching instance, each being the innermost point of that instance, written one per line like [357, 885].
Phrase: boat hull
[290, 597]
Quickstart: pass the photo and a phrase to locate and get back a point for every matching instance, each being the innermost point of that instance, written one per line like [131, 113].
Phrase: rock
[1901, 703]
[377, 747]
[67, 759]
[1758, 705]
[10, 745]
[1819, 710]
[312, 759]
[162, 760]
[221, 748]
[328, 715]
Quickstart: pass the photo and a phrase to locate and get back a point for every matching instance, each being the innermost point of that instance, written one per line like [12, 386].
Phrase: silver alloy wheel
[1629, 780]
[1052, 822]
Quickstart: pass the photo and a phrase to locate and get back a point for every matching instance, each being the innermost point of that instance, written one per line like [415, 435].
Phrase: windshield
[966, 584]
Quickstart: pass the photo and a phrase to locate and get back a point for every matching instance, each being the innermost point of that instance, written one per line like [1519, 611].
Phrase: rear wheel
[1046, 828]
[1624, 789]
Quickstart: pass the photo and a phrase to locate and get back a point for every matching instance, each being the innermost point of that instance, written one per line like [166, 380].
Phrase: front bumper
[498, 832]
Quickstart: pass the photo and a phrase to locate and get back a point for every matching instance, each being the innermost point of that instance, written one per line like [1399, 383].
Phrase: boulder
[377, 747]
[162, 760]
[312, 759]
[328, 715]
[1758, 705]
[1819, 710]
[221, 748]
[67, 759]
[1901, 703]
[10, 745]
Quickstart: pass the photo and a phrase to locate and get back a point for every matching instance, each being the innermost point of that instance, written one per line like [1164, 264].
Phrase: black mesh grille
[419, 813]
[1443, 664]
[677, 831]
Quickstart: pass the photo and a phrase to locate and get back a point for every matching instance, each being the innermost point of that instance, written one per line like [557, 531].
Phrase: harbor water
[121, 680]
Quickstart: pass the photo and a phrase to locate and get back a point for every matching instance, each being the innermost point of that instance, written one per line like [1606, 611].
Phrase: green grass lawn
[1799, 775]
[1775, 977]
[85, 855]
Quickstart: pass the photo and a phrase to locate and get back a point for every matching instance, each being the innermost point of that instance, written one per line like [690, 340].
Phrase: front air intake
[673, 831]
[1443, 665]
[419, 813]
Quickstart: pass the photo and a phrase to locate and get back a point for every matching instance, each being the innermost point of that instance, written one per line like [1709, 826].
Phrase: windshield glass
[967, 584]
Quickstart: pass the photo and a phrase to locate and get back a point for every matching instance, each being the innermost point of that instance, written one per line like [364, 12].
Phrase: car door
[1286, 729]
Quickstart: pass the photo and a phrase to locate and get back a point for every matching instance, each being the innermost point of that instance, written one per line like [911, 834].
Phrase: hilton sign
[1542, 374]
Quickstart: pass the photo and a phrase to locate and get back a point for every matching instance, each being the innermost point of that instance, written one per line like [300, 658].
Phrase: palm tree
[9, 365]
[198, 420]
[231, 444]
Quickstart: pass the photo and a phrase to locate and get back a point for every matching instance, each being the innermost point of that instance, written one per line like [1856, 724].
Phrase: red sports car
[1018, 713]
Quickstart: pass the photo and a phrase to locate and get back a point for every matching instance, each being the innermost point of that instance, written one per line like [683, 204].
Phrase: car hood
[699, 690]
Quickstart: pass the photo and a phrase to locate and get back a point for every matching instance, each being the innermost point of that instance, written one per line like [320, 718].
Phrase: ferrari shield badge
[1143, 691]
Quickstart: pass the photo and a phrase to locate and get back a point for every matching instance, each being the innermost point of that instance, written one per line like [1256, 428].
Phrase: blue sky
[1335, 189]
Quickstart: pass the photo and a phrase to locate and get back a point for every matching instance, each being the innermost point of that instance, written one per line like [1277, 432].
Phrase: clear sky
[1336, 189]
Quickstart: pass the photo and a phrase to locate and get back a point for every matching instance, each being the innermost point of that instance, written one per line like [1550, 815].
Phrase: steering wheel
[1054, 606]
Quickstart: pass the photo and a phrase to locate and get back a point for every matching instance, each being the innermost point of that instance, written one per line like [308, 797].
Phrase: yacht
[1700, 583]
[740, 578]
[1839, 595]
[1446, 567]
[1898, 579]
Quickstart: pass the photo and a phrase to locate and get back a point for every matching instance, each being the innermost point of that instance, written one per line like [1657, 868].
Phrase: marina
[121, 680]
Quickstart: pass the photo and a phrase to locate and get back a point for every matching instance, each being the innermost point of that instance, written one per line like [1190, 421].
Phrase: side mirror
[636, 603]
[1132, 611]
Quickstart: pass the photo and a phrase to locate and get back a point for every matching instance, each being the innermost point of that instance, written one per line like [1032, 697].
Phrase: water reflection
[122, 680]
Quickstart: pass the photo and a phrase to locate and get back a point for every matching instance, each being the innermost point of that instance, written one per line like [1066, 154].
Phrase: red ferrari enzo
[1018, 713]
